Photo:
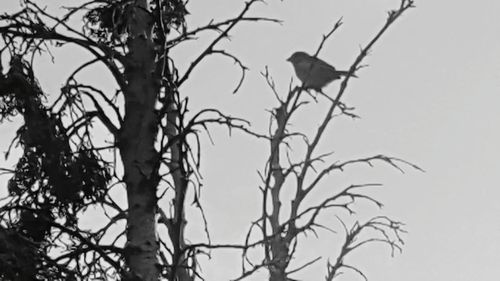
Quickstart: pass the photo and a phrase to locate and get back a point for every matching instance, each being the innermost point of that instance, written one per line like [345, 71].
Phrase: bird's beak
[289, 59]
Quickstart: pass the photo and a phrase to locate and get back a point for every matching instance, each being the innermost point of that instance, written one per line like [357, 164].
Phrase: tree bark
[136, 143]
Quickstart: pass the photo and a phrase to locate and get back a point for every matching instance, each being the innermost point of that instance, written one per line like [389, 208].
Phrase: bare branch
[389, 230]
[216, 26]
[393, 161]
[237, 61]
[337, 25]
[24, 27]
[224, 33]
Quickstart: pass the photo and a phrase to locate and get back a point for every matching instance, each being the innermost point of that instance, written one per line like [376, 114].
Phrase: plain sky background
[430, 96]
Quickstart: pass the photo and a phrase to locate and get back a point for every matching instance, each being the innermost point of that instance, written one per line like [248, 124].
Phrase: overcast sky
[430, 95]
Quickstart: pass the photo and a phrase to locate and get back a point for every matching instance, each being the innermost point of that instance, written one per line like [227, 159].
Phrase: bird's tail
[345, 73]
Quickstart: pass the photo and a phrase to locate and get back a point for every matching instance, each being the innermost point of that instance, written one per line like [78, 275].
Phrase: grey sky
[430, 95]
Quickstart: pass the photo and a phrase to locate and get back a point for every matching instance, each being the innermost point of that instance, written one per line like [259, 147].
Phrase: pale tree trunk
[136, 143]
[180, 177]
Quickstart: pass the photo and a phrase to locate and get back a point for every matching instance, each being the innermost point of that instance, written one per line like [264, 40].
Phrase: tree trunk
[136, 143]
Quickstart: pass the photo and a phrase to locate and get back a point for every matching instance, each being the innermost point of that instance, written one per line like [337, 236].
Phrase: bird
[313, 72]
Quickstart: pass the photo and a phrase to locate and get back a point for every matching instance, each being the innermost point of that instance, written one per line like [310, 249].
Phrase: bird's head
[297, 57]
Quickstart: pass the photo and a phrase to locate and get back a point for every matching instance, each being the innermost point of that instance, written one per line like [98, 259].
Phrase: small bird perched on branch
[314, 72]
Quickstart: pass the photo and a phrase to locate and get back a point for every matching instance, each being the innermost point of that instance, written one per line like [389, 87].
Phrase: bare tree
[303, 177]
[153, 150]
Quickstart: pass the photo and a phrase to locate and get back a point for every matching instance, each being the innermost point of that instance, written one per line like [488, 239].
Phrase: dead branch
[223, 34]
[389, 230]
[279, 248]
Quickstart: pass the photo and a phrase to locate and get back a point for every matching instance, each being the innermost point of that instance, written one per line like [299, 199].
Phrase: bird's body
[313, 72]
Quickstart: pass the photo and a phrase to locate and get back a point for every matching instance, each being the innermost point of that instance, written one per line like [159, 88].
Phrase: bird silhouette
[313, 72]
